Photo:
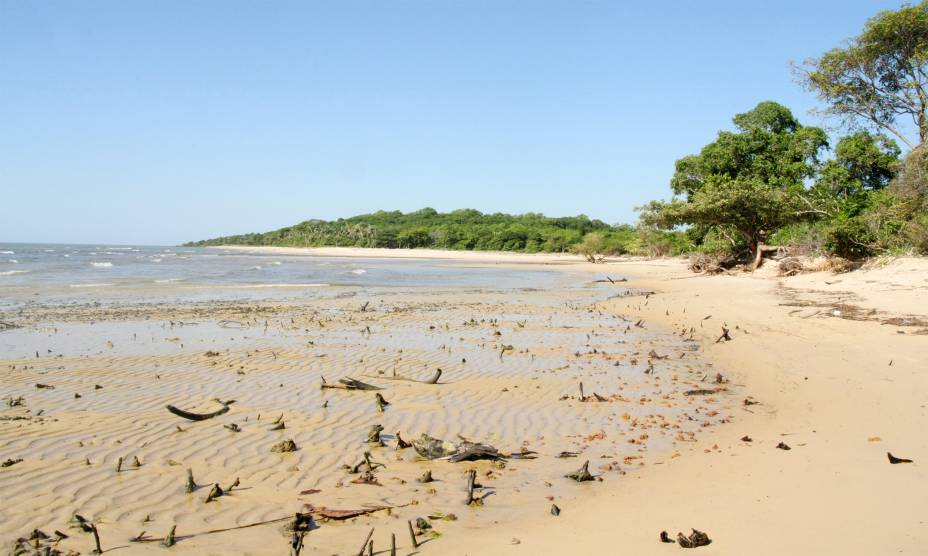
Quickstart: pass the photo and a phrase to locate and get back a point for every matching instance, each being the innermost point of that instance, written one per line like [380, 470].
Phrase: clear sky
[162, 122]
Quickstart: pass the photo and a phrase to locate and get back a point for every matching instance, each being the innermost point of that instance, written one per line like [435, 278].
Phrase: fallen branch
[349, 384]
[200, 416]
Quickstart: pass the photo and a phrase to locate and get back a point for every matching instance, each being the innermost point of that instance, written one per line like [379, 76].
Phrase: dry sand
[839, 392]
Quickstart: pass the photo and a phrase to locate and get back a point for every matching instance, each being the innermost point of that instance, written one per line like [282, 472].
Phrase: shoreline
[840, 392]
[835, 364]
[382, 253]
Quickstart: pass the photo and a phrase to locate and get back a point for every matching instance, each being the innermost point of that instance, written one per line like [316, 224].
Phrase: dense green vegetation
[775, 181]
[769, 181]
[464, 229]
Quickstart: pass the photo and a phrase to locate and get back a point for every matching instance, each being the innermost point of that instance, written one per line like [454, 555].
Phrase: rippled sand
[127, 363]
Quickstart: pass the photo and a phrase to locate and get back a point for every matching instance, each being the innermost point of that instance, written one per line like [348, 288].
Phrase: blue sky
[161, 122]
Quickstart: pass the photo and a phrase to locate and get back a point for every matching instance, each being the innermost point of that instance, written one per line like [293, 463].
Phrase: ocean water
[56, 274]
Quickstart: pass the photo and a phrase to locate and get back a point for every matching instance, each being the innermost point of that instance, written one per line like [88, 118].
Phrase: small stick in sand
[191, 485]
[725, 336]
[400, 443]
[471, 478]
[381, 403]
[169, 540]
[214, 493]
[364, 546]
[96, 539]
[412, 535]
[296, 543]
[119, 465]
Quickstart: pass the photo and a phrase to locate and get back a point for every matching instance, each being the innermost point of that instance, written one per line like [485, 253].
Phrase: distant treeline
[768, 181]
[464, 229]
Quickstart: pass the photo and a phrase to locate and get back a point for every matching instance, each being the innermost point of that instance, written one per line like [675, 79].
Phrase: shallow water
[43, 273]
[270, 355]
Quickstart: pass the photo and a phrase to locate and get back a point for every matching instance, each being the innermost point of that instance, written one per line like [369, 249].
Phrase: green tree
[881, 77]
[863, 162]
[746, 183]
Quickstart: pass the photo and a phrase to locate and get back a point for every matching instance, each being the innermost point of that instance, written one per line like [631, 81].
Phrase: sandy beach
[829, 365]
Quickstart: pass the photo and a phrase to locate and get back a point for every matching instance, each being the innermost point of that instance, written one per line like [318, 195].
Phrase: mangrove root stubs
[582, 474]
[373, 435]
[381, 403]
[285, 446]
[471, 485]
[191, 484]
[696, 539]
[400, 443]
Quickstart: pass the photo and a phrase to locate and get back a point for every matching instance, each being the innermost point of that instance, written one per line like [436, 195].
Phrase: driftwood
[339, 515]
[284, 446]
[696, 539]
[582, 474]
[349, 384]
[426, 477]
[400, 443]
[434, 448]
[381, 403]
[894, 460]
[201, 416]
[432, 380]
[171, 539]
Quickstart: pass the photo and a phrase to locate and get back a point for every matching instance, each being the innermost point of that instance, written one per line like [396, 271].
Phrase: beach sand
[839, 392]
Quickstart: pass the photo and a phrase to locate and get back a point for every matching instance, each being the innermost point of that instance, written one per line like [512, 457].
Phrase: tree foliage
[464, 229]
[881, 76]
[746, 183]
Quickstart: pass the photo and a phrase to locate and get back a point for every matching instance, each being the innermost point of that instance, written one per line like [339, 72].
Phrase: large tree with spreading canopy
[748, 182]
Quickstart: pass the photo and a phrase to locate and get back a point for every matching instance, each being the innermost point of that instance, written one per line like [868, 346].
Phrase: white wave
[168, 280]
[101, 265]
[12, 261]
[67, 255]
[276, 263]
[259, 286]
[12, 272]
[156, 260]
[88, 285]
[49, 250]
[7, 253]
[257, 267]
[359, 271]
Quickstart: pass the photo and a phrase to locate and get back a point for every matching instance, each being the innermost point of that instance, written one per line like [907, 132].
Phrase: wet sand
[512, 363]
[835, 363]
